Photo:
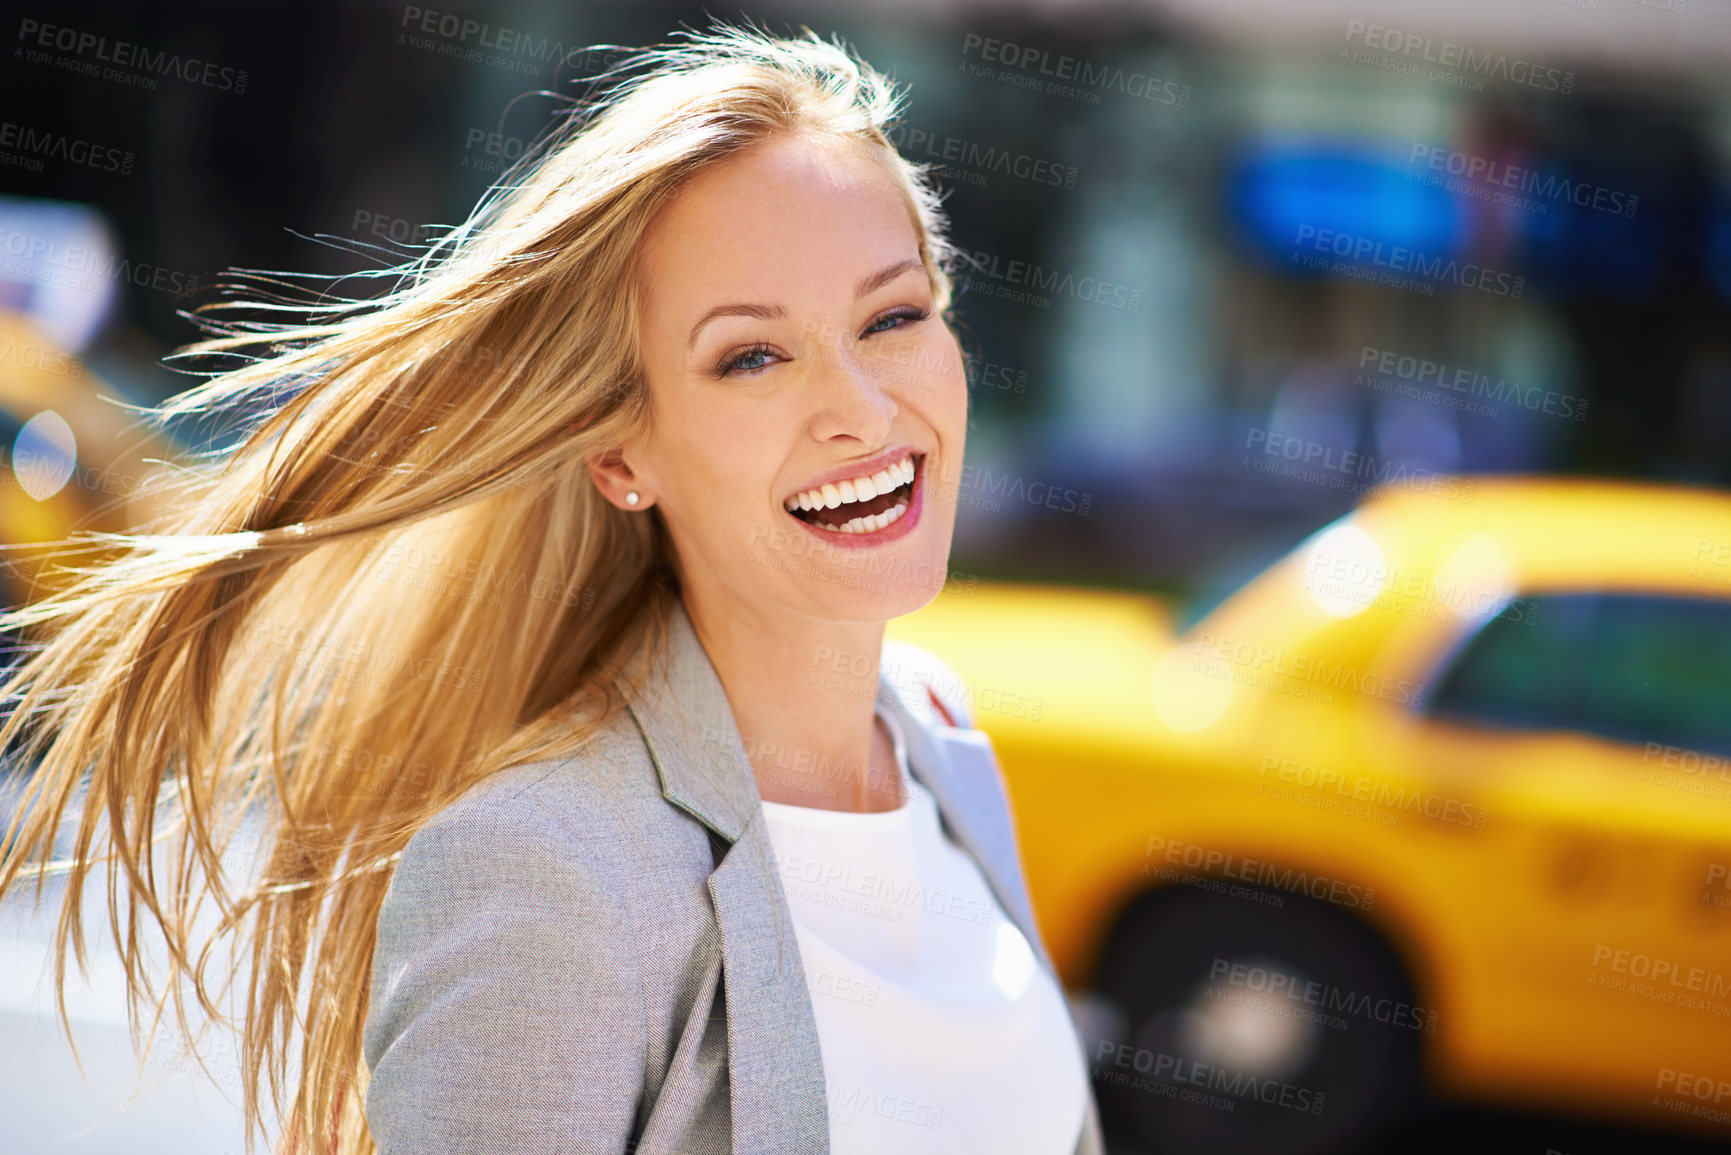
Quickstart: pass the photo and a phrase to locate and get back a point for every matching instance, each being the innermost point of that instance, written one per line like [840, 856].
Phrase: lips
[866, 503]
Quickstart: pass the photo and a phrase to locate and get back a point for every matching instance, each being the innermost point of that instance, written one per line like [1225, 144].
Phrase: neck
[802, 692]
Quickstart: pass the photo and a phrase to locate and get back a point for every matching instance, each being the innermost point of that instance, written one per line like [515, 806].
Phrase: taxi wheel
[1257, 1022]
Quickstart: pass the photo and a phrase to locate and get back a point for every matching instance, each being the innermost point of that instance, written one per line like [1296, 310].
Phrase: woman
[543, 621]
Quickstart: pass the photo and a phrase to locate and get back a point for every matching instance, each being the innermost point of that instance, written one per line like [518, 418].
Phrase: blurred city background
[1235, 263]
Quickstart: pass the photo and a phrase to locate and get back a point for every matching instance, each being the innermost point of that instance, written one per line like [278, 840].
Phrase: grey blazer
[595, 954]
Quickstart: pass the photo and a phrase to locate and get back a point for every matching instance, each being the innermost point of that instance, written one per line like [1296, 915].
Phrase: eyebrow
[775, 312]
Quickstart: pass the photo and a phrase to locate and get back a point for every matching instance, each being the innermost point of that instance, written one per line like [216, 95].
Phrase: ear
[614, 478]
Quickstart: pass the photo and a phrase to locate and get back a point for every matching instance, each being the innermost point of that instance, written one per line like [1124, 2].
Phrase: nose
[851, 395]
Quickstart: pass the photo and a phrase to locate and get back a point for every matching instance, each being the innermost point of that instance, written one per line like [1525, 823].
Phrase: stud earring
[631, 498]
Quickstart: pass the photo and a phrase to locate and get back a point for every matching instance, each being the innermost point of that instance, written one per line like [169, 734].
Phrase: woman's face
[803, 388]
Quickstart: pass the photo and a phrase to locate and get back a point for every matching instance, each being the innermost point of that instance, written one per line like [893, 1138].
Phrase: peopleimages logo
[475, 41]
[1167, 1071]
[83, 269]
[1529, 181]
[1065, 72]
[1675, 975]
[880, 895]
[1222, 864]
[1347, 469]
[1692, 1086]
[497, 151]
[37, 40]
[1358, 251]
[1420, 372]
[45, 358]
[1411, 51]
[1233, 653]
[971, 161]
[848, 1099]
[1360, 788]
[1013, 279]
[1278, 983]
[55, 146]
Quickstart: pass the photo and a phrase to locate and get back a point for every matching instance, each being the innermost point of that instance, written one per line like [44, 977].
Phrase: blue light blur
[1282, 186]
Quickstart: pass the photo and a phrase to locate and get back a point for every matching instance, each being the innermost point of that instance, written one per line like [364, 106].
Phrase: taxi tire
[1161, 952]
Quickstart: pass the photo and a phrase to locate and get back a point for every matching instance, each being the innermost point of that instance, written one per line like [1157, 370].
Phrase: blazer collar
[961, 771]
[694, 742]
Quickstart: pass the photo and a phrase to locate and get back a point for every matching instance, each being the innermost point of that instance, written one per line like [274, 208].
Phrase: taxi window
[1635, 668]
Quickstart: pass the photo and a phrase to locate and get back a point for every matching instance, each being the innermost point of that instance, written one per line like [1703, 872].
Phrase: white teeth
[875, 522]
[854, 489]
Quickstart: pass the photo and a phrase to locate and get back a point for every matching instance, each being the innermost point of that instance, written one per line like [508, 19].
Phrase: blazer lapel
[693, 740]
[961, 771]
[775, 1062]
[775, 1066]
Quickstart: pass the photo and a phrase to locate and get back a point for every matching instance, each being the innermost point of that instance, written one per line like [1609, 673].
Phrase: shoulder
[566, 800]
[927, 685]
[493, 896]
[581, 818]
[556, 833]
[524, 878]
[497, 857]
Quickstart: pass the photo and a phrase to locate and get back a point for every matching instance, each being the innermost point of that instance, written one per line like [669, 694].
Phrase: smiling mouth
[844, 508]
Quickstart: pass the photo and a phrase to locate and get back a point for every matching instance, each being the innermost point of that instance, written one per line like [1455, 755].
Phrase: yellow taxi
[1440, 803]
[73, 456]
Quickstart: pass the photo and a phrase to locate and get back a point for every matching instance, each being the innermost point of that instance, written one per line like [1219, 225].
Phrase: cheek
[726, 462]
[952, 386]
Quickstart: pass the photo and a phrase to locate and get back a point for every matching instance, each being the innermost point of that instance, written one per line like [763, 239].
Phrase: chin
[866, 585]
[873, 585]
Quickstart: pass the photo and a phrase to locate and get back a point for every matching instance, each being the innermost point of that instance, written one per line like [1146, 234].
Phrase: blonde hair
[267, 652]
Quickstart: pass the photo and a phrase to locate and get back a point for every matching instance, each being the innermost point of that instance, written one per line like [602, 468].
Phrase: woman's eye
[751, 360]
[910, 315]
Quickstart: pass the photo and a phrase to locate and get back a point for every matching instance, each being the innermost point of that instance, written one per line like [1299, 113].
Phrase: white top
[940, 1031]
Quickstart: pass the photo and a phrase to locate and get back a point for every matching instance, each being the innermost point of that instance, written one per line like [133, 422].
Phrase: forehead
[796, 210]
